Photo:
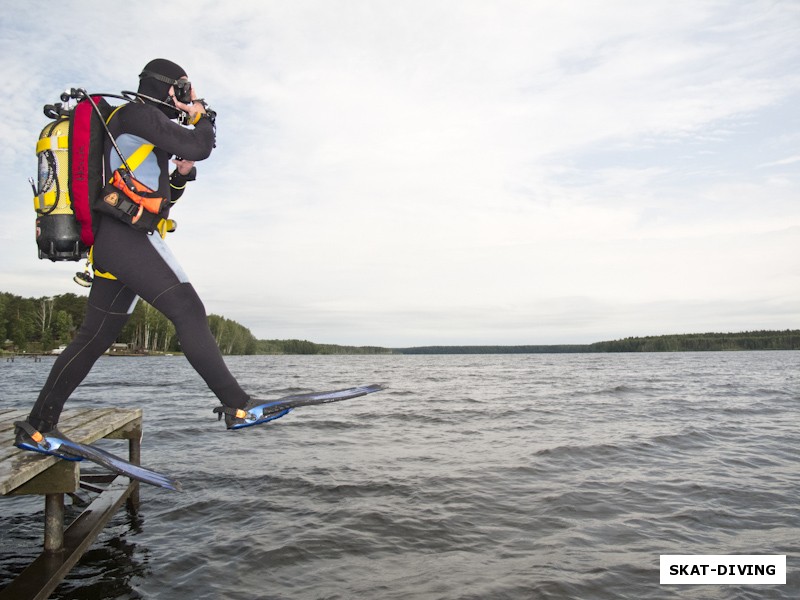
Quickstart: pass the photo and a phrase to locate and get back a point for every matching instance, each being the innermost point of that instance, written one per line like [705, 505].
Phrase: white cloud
[789, 160]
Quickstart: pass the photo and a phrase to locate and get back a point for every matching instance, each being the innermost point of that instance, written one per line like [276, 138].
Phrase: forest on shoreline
[691, 342]
[40, 325]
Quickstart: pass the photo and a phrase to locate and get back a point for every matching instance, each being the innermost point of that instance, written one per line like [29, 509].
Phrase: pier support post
[54, 522]
[135, 456]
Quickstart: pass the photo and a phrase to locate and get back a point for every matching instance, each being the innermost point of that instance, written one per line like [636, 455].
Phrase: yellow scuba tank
[58, 234]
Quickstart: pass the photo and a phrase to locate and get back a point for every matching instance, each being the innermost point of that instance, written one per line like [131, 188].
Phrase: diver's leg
[149, 268]
[107, 310]
[181, 305]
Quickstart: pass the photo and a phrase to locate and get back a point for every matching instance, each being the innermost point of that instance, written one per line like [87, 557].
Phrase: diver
[132, 263]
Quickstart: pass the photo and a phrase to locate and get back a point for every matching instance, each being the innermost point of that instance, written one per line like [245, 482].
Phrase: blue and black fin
[55, 443]
[258, 411]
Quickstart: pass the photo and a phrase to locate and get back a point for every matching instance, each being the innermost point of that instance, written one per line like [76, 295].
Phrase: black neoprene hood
[150, 86]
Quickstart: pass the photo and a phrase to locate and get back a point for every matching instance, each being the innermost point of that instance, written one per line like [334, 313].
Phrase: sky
[441, 172]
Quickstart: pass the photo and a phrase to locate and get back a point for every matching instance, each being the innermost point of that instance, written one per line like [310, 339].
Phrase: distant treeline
[554, 349]
[705, 342]
[702, 342]
[306, 347]
[37, 325]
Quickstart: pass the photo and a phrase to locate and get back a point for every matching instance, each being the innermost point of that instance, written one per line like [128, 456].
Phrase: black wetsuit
[144, 267]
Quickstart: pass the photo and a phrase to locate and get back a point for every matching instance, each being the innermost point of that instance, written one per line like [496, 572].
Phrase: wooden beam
[62, 478]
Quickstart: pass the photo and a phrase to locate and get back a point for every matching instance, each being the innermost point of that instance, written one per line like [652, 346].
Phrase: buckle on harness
[122, 203]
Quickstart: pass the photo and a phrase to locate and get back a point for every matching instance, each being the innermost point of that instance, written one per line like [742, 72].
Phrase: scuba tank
[58, 234]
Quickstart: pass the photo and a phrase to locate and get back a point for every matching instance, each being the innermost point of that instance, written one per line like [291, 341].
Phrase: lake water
[470, 477]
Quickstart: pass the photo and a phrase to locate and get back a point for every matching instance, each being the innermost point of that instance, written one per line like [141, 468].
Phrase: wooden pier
[24, 472]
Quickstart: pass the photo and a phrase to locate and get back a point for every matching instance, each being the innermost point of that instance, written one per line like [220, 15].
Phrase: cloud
[790, 160]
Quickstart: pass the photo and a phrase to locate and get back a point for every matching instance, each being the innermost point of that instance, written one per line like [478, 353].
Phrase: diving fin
[261, 412]
[57, 444]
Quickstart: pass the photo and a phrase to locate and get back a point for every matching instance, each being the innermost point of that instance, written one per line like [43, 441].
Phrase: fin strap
[34, 433]
[239, 413]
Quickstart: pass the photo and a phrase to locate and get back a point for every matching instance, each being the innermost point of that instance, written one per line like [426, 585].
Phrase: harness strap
[54, 142]
[98, 272]
[139, 156]
[50, 198]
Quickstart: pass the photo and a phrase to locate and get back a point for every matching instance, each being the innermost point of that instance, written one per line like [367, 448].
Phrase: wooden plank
[82, 425]
[4, 411]
[72, 420]
[44, 574]
[7, 419]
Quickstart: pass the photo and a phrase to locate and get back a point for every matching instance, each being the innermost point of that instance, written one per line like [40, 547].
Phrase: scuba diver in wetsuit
[133, 263]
